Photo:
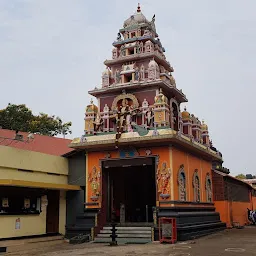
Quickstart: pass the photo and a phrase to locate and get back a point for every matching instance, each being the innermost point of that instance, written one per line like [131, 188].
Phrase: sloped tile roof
[43, 144]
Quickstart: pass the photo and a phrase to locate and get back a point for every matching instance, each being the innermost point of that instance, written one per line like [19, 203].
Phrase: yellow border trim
[34, 184]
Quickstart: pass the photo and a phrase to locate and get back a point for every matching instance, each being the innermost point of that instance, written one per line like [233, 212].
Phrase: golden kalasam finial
[138, 8]
[91, 101]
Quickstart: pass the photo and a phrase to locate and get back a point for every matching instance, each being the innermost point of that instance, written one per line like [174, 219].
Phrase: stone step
[129, 228]
[126, 235]
[123, 240]
[108, 231]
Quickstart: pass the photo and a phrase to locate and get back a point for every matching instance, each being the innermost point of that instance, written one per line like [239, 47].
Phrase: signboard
[17, 223]
[166, 230]
[5, 202]
[26, 203]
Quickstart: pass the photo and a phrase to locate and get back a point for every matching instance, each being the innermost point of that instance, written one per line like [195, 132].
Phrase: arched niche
[182, 184]
[132, 100]
[208, 188]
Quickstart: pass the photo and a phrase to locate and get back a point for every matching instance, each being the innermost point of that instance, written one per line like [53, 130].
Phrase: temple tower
[144, 157]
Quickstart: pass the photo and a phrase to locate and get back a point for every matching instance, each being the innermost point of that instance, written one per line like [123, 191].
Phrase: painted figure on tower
[163, 180]
[95, 179]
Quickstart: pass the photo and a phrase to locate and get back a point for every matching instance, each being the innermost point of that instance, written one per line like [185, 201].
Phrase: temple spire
[138, 8]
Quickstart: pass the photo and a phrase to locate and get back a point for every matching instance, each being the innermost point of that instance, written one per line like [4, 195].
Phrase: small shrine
[144, 155]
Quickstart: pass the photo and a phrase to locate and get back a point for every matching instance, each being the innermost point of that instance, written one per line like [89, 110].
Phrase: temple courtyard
[229, 242]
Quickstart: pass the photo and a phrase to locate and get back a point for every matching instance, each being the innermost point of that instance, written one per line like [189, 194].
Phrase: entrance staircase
[126, 235]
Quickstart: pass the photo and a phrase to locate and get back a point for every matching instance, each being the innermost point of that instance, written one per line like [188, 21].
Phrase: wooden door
[52, 216]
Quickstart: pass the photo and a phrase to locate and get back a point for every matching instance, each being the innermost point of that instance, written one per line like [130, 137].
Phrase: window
[196, 186]
[182, 184]
[128, 78]
[208, 188]
[15, 200]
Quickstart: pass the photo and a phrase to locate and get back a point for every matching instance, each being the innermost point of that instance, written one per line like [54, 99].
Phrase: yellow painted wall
[8, 173]
[12, 159]
[29, 225]
[28, 160]
[41, 164]
[62, 214]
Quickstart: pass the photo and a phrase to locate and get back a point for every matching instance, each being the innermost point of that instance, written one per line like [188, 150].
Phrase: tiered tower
[138, 88]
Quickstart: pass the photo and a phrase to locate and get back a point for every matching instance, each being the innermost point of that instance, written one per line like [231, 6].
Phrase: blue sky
[52, 53]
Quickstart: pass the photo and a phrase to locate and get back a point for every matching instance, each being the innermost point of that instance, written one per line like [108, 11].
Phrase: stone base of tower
[192, 222]
[83, 224]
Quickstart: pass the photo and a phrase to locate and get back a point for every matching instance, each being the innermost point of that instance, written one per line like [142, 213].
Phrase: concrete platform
[26, 244]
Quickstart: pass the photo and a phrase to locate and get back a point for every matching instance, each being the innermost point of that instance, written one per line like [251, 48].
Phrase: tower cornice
[170, 90]
[140, 56]
[134, 39]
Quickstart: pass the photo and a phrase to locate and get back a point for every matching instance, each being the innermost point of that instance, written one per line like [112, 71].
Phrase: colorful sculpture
[95, 178]
[163, 181]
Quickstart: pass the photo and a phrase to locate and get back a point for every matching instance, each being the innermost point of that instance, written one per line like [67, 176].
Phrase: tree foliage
[240, 176]
[21, 118]
[243, 176]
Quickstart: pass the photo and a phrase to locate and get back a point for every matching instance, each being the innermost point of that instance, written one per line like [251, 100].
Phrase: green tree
[21, 118]
[16, 117]
[240, 176]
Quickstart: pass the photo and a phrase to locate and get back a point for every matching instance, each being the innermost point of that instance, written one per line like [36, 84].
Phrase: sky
[52, 53]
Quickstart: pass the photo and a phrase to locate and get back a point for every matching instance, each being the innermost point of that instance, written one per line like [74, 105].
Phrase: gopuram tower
[145, 158]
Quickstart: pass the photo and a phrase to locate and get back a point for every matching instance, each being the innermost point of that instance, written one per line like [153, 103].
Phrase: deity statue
[163, 178]
[146, 32]
[138, 48]
[94, 179]
[124, 111]
[182, 187]
[123, 51]
[137, 74]
[98, 123]
[118, 36]
[209, 191]
[129, 123]
[197, 189]
[118, 77]
[149, 118]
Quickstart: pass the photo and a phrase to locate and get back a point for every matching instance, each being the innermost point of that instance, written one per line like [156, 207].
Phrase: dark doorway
[134, 186]
[52, 216]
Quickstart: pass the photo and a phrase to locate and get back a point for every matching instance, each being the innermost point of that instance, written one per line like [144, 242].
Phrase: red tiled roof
[231, 177]
[40, 143]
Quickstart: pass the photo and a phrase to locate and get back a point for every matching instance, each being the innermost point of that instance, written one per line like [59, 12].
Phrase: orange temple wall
[173, 157]
[93, 159]
[233, 212]
[191, 163]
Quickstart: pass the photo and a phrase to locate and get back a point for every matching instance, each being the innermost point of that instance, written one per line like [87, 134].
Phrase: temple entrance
[131, 189]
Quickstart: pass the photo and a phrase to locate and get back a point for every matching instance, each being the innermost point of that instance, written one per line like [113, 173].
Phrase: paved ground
[235, 242]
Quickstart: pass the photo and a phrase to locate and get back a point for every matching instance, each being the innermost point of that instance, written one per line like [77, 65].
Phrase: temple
[145, 158]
